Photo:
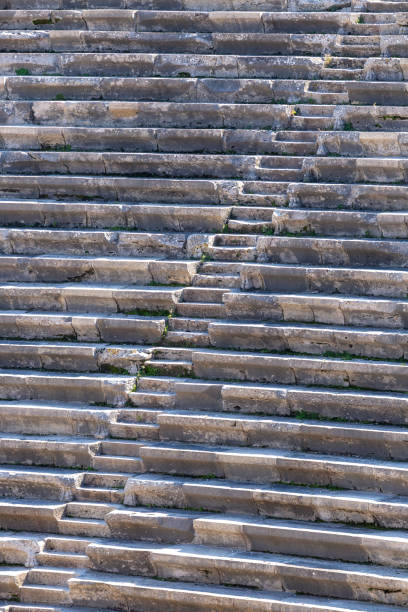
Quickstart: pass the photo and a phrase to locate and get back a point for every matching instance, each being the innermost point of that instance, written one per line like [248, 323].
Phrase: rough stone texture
[203, 305]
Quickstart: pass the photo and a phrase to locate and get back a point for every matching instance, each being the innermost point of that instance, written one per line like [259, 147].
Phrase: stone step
[33, 417]
[362, 144]
[344, 196]
[246, 533]
[216, 267]
[316, 403]
[71, 453]
[202, 294]
[96, 495]
[87, 510]
[194, 165]
[166, 367]
[38, 483]
[326, 280]
[186, 114]
[64, 552]
[194, 89]
[159, 383]
[175, 354]
[305, 9]
[307, 576]
[340, 252]
[81, 327]
[231, 253]
[336, 341]
[83, 527]
[154, 189]
[144, 416]
[217, 42]
[365, 311]
[312, 122]
[120, 448]
[89, 242]
[304, 370]
[66, 544]
[274, 466]
[354, 170]
[152, 399]
[135, 431]
[200, 310]
[50, 577]
[62, 559]
[31, 593]
[119, 217]
[230, 281]
[204, 597]
[188, 325]
[170, 140]
[340, 223]
[191, 17]
[182, 338]
[113, 480]
[86, 269]
[131, 465]
[30, 514]
[141, 301]
[381, 6]
[186, 65]
[60, 387]
[278, 501]
[249, 226]
[74, 357]
[300, 434]
[253, 213]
